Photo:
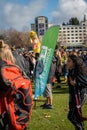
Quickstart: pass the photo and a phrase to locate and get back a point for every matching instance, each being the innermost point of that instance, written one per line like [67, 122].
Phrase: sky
[19, 14]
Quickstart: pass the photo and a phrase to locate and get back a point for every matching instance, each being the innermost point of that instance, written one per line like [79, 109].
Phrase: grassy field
[56, 118]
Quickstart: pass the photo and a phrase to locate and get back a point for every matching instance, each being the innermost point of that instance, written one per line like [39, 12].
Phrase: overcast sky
[21, 13]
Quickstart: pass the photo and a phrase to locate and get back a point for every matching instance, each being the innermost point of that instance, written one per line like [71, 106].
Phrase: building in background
[73, 35]
[69, 35]
[33, 27]
[40, 26]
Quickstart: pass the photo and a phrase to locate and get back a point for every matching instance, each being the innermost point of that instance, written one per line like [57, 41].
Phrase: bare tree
[17, 39]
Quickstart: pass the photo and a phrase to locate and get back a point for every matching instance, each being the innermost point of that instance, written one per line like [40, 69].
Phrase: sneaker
[43, 105]
[58, 86]
[48, 107]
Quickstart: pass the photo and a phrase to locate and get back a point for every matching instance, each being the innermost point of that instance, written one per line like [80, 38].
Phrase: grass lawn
[56, 118]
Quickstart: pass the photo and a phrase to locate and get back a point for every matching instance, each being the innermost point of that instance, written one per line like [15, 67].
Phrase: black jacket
[21, 62]
[80, 86]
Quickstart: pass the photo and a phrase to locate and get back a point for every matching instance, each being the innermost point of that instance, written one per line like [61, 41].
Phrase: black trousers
[75, 118]
[57, 75]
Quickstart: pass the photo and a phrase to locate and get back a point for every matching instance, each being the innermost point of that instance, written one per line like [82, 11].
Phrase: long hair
[6, 53]
[79, 64]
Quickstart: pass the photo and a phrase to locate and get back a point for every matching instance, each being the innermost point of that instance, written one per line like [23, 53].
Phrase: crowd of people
[72, 66]
[61, 67]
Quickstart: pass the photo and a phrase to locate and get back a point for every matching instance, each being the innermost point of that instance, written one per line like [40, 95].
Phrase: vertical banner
[47, 50]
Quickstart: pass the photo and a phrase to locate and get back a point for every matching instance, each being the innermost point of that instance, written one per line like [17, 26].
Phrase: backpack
[15, 97]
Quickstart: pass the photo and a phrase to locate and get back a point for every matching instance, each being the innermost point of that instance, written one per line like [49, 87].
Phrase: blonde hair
[6, 53]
